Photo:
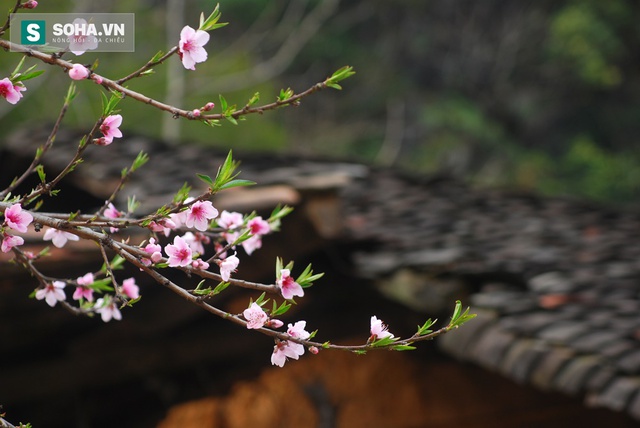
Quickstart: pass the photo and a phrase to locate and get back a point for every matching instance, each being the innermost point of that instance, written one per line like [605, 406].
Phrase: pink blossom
[52, 293]
[191, 49]
[285, 349]
[179, 252]
[227, 266]
[10, 241]
[80, 43]
[58, 237]
[297, 330]
[112, 212]
[255, 316]
[10, 92]
[109, 127]
[154, 249]
[258, 226]
[107, 309]
[82, 290]
[252, 244]
[78, 72]
[199, 214]
[130, 289]
[379, 329]
[194, 243]
[17, 219]
[164, 226]
[288, 286]
[199, 264]
[196, 112]
[86, 279]
[230, 220]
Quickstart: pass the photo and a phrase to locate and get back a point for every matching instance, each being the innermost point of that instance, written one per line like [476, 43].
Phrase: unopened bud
[196, 112]
[273, 323]
[208, 106]
[313, 350]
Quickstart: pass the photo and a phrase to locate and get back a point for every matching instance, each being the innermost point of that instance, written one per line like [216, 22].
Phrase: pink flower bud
[196, 112]
[31, 4]
[209, 106]
[96, 78]
[101, 141]
[273, 323]
[78, 72]
[314, 350]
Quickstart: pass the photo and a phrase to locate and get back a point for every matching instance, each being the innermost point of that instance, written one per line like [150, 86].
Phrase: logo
[73, 32]
[32, 32]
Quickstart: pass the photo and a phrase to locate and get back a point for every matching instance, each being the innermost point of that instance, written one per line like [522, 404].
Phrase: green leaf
[157, 56]
[179, 197]
[101, 285]
[223, 103]
[41, 174]
[359, 351]
[139, 161]
[231, 119]
[17, 69]
[261, 299]
[221, 287]
[425, 328]
[237, 183]
[384, 342]
[278, 267]
[211, 23]
[403, 348]
[27, 76]
[280, 310]
[206, 179]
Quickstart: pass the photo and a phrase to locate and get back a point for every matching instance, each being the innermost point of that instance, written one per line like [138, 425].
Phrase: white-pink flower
[288, 286]
[285, 349]
[107, 309]
[80, 41]
[52, 293]
[258, 226]
[130, 289]
[199, 214]
[78, 72]
[297, 330]
[227, 266]
[179, 252]
[110, 128]
[58, 237]
[256, 317]
[10, 241]
[378, 329]
[165, 226]
[17, 219]
[10, 92]
[252, 244]
[191, 49]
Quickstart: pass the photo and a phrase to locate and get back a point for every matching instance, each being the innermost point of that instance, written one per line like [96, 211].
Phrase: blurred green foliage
[541, 94]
